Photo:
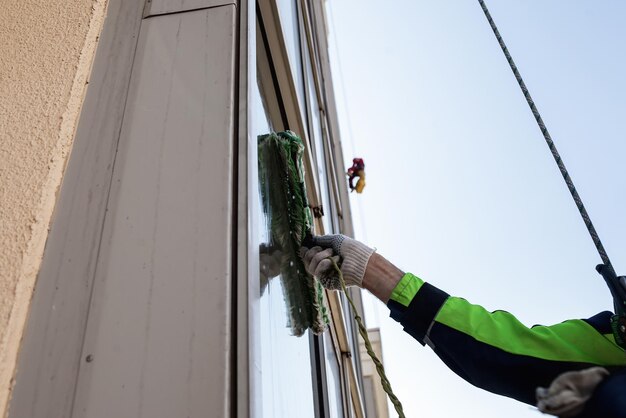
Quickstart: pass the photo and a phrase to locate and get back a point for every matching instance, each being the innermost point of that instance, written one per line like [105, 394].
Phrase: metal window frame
[284, 112]
[246, 395]
[291, 115]
[315, 27]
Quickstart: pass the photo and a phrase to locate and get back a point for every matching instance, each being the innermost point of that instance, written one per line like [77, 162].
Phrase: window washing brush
[283, 192]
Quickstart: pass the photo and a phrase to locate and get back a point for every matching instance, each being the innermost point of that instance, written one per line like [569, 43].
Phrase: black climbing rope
[617, 285]
[546, 135]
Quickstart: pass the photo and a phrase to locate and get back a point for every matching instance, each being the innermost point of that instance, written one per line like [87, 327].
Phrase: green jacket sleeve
[494, 350]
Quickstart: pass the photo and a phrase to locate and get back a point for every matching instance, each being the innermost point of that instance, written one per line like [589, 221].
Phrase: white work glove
[351, 255]
[568, 393]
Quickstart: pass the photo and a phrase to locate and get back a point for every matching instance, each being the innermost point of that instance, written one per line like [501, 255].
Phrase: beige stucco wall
[46, 51]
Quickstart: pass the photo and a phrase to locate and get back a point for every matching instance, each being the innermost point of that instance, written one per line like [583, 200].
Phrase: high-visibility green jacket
[495, 351]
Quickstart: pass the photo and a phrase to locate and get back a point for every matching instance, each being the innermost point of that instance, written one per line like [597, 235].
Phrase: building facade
[374, 397]
[146, 300]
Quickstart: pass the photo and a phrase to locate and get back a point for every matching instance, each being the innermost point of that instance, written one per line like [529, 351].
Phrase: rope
[368, 345]
[546, 135]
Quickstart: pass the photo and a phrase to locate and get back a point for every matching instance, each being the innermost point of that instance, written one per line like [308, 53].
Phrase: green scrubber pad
[283, 191]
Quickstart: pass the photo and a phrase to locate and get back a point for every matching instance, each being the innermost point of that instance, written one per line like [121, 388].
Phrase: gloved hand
[568, 393]
[351, 255]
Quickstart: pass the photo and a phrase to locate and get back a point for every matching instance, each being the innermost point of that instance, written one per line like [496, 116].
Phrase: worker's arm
[495, 351]
[492, 350]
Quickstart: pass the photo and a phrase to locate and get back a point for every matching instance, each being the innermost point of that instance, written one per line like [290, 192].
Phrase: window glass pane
[333, 378]
[333, 371]
[287, 386]
[288, 11]
[315, 135]
[350, 323]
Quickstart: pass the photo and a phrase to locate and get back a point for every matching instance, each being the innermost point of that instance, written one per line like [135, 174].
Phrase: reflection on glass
[333, 378]
[315, 133]
[287, 389]
[288, 11]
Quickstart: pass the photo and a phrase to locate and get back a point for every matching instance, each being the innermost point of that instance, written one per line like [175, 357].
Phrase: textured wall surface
[46, 51]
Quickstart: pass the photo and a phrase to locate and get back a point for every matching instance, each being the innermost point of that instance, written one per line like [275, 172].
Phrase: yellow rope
[368, 345]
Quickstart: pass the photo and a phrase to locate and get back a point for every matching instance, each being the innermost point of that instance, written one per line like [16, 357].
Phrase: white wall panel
[159, 331]
[50, 352]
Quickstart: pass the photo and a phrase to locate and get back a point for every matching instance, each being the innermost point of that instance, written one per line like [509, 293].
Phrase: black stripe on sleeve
[417, 317]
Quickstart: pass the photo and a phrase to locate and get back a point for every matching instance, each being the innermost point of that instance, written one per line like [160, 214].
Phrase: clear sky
[461, 188]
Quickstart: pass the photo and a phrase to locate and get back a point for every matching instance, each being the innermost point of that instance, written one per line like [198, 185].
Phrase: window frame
[287, 112]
